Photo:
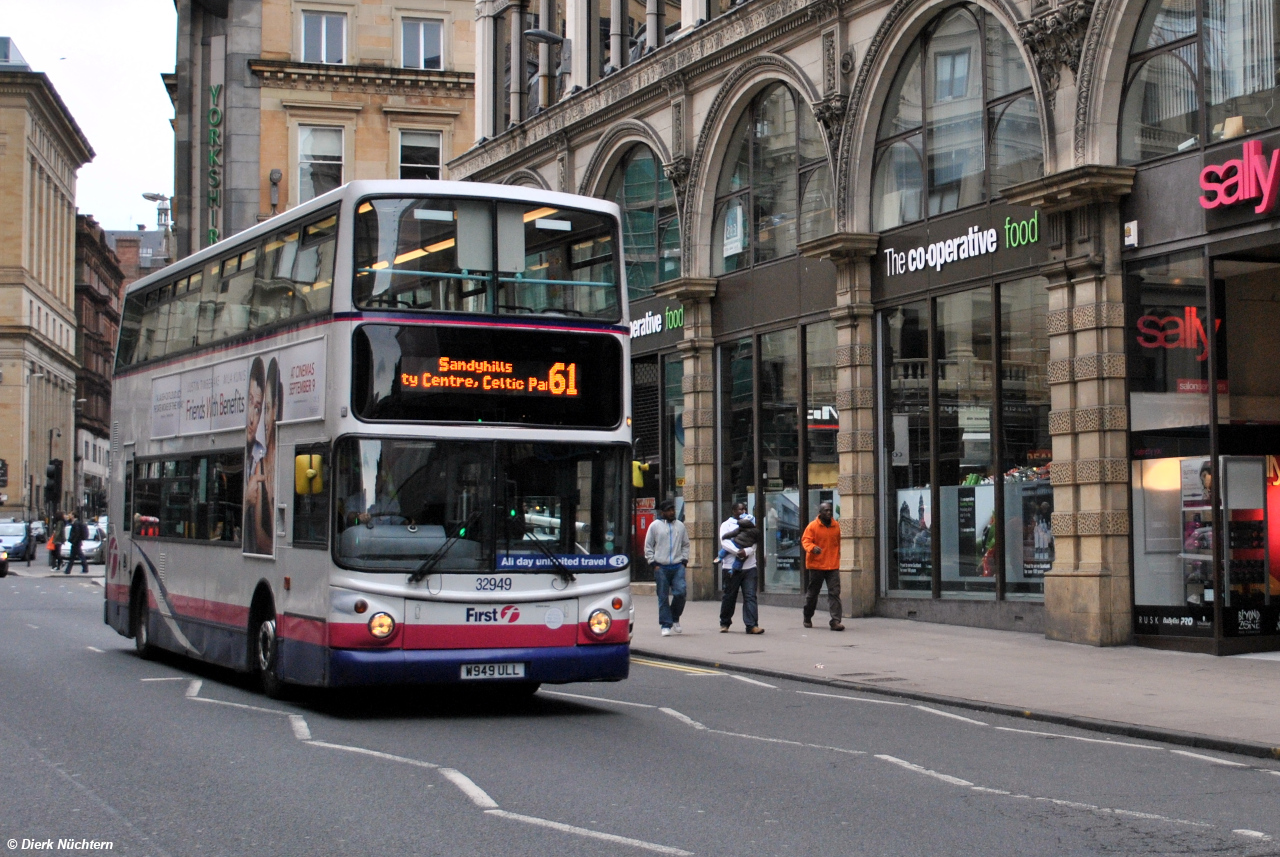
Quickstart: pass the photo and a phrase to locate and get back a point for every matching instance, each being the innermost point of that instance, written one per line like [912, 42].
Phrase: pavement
[1230, 704]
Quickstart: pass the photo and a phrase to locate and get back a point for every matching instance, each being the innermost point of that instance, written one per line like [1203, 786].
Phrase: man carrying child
[740, 571]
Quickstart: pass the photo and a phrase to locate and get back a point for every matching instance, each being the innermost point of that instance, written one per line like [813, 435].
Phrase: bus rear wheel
[140, 614]
[266, 656]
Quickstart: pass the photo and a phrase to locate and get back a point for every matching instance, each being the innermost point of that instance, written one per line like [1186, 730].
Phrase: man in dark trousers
[821, 542]
[57, 535]
[79, 532]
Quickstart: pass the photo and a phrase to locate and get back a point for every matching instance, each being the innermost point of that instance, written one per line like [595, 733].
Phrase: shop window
[737, 424]
[650, 224]
[324, 37]
[779, 401]
[673, 424]
[775, 184]
[319, 161]
[968, 452]
[1200, 72]
[422, 43]
[419, 154]
[960, 123]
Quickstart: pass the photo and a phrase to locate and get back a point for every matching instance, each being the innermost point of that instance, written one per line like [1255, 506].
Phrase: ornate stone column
[851, 253]
[1088, 595]
[697, 348]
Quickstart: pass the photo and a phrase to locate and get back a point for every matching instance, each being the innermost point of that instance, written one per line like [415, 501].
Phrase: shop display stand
[1246, 562]
[1197, 554]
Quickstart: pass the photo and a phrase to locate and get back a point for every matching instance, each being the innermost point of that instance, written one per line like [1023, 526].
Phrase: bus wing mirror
[308, 474]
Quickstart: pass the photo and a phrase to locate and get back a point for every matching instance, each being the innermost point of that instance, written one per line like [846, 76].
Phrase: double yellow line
[664, 665]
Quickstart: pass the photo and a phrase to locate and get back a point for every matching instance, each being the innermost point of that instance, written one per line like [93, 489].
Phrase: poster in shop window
[1037, 535]
[915, 549]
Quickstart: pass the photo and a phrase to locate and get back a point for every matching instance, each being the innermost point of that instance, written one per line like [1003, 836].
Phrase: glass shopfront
[778, 427]
[965, 493]
[1205, 478]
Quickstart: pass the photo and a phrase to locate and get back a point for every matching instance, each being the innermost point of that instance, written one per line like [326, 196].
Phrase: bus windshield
[465, 506]
[475, 255]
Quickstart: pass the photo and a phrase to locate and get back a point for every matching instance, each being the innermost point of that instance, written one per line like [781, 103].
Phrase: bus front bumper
[554, 665]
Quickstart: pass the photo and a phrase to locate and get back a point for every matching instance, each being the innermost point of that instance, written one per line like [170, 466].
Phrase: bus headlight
[381, 625]
[599, 622]
[4, 554]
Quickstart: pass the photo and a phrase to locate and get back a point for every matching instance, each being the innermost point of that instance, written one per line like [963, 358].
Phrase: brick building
[98, 295]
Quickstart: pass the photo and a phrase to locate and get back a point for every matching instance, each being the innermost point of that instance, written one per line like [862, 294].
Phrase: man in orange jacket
[821, 542]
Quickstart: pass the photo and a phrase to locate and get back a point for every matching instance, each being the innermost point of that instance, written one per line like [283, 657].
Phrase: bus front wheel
[141, 615]
[266, 656]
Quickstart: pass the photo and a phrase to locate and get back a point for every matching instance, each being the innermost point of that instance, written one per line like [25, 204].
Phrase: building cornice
[1073, 188]
[367, 78]
[711, 48]
[37, 87]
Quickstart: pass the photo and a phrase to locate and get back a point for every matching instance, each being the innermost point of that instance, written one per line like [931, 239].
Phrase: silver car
[92, 547]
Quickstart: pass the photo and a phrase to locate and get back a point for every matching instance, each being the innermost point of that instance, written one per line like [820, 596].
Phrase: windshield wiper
[564, 574]
[426, 566]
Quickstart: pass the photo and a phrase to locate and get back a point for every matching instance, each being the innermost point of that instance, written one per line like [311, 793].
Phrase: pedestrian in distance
[666, 549]
[821, 543]
[738, 538]
[56, 539]
[79, 532]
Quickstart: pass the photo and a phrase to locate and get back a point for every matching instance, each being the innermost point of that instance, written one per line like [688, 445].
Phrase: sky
[105, 58]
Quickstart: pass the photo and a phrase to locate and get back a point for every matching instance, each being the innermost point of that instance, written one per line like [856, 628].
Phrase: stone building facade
[278, 101]
[41, 150]
[920, 252]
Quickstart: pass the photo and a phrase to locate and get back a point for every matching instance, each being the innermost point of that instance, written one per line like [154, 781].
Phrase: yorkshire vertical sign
[215, 139]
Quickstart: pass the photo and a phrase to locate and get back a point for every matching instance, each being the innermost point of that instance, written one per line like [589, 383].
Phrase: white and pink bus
[382, 438]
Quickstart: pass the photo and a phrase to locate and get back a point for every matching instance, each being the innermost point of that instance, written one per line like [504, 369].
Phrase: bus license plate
[492, 671]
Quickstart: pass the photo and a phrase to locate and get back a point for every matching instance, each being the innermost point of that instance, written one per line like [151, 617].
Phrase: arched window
[960, 123]
[1200, 72]
[776, 165]
[650, 223]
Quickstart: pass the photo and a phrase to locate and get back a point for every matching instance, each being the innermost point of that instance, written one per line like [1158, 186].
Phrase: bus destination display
[494, 375]
[425, 373]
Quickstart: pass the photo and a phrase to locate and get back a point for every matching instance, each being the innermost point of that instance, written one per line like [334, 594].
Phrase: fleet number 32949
[493, 584]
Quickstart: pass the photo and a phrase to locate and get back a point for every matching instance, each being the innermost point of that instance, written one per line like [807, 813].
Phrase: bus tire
[266, 655]
[139, 624]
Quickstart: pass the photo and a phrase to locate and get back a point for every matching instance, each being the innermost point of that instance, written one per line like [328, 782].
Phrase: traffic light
[53, 483]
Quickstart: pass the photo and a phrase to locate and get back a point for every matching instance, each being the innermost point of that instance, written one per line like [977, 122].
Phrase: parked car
[17, 540]
[93, 548]
[38, 530]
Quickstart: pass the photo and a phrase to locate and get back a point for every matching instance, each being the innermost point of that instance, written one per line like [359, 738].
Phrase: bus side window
[311, 496]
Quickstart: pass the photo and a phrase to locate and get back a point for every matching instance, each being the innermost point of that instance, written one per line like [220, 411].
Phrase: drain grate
[885, 678]
[855, 675]
[748, 652]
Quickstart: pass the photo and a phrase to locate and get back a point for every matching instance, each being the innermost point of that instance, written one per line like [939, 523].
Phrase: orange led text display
[560, 379]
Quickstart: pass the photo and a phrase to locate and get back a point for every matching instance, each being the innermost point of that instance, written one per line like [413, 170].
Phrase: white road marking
[33, 627]
[948, 714]
[593, 834]
[852, 698]
[468, 788]
[1079, 738]
[903, 763]
[377, 755]
[166, 678]
[239, 705]
[95, 649]
[596, 698]
[753, 681]
[1212, 759]
[193, 689]
[300, 728]
[1272, 773]
[1253, 834]
[688, 721]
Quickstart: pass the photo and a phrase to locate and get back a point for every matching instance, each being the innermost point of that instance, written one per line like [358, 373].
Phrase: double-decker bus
[382, 438]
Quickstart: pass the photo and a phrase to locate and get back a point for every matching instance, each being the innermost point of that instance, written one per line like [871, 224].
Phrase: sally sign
[1245, 179]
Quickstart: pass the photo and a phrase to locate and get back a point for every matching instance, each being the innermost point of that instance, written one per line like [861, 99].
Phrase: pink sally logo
[1243, 179]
